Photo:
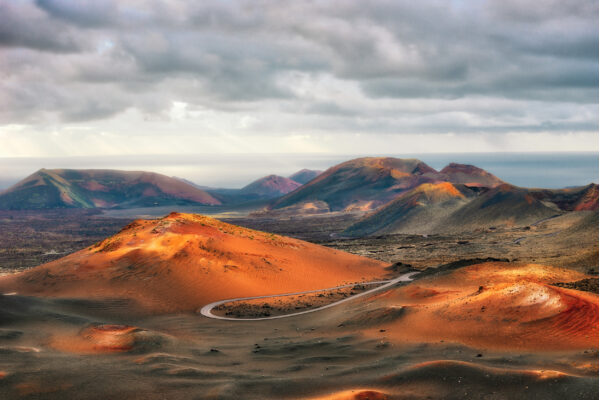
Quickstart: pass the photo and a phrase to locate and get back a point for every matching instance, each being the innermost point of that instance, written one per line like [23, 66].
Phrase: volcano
[363, 183]
[183, 261]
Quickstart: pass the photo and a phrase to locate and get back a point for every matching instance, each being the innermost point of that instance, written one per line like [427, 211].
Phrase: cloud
[377, 66]
[22, 25]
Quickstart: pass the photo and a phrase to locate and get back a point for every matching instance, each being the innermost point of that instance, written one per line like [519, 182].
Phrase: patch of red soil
[497, 305]
[355, 394]
[589, 200]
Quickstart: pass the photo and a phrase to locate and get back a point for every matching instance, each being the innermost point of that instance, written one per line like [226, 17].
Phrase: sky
[103, 78]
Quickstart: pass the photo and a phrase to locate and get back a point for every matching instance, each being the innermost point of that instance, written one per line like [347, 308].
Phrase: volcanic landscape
[379, 278]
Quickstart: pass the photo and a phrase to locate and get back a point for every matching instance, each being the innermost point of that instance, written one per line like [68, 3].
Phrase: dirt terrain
[465, 327]
[285, 305]
[33, 237]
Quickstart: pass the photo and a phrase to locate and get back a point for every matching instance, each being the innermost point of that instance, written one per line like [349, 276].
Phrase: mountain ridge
[100, 188]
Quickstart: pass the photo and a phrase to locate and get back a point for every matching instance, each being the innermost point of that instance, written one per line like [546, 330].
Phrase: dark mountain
[416, 211]
[444, 208]
[505, 205]
[69, 188]
[363, 183]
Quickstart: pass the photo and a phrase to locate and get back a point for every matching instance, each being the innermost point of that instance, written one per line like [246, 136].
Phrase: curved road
[207, 309]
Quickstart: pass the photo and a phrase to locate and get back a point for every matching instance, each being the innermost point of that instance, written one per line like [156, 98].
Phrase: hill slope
[417, 211]
[491, 305]
[582, 198]
[469, 175]
[363, 183]
[68, 188]
[585, 229]
[305, 175]
[503, 205]
[269, 187]
[588, 199]
[184, 261]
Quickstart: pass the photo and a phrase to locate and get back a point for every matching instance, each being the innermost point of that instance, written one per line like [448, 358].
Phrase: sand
[184, 261]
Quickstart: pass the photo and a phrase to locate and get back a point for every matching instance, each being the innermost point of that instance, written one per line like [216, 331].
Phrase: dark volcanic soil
[30, 238]
[533, 243]
[587, 285]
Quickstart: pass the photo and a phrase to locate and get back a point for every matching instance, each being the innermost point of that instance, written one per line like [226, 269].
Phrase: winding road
[207, 309]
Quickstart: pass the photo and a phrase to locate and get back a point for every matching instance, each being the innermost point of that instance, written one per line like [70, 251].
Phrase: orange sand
[438, 191]
[354, 394]
[184, 261]
[98, 339]
[496, 305]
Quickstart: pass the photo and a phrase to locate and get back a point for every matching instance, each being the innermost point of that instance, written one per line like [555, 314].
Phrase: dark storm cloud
[80, 60]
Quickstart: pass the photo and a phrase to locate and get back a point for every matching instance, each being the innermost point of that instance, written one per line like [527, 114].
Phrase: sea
[538, 170]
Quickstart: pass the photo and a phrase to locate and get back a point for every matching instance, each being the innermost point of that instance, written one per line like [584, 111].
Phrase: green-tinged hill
[71, 188]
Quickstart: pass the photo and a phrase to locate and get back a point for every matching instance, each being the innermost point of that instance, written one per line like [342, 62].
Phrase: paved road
[207, 309]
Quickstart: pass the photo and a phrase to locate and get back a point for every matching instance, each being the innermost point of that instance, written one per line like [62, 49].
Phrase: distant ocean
[547, 170]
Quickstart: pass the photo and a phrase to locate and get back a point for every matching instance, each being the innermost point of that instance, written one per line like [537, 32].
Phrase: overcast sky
[118, 77]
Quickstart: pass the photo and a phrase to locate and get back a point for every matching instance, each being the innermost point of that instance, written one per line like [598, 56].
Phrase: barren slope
[416, 211]
[183, 261]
